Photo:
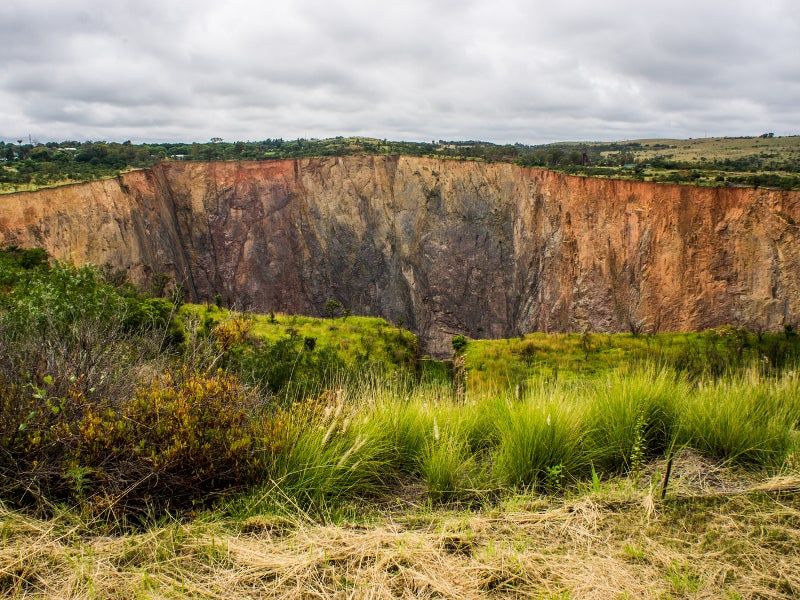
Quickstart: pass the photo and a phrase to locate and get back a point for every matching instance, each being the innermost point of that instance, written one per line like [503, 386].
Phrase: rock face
[443, 247]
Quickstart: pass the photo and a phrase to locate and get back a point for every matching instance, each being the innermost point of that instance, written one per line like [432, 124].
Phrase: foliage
[171, 444]
[459, 343]
[98, 410]
[276, 364]
[302, 355]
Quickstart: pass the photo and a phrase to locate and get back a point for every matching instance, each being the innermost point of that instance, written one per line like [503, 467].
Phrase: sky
[502, 71]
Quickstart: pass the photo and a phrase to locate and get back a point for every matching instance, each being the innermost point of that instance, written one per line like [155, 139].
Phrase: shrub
[274, 365]
[176, 441]
[459, 343]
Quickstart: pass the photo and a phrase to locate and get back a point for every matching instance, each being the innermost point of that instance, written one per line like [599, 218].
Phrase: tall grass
[540, 440]
[448, 466]
[632, 416]
[748, 418]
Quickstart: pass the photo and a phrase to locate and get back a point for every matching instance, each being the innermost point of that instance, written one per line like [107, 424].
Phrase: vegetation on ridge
[765, 161]
[121, 404]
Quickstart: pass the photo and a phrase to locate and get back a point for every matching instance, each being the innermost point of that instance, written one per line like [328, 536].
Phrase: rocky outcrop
[443, 247]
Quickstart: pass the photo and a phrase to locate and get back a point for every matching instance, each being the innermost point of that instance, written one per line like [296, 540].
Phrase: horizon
[133, 141]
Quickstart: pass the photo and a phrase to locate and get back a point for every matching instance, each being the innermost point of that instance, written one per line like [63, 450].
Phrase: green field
[500, 364]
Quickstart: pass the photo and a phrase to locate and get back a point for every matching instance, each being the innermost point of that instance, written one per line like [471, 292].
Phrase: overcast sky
[497, 70]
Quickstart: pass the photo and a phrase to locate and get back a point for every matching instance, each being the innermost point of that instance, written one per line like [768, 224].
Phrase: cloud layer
[503, 71]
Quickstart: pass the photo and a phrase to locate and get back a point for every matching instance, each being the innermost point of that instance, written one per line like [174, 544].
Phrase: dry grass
[615, 541]
[720, 147]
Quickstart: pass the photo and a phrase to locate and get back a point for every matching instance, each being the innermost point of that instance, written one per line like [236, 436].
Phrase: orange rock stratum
[445, 247]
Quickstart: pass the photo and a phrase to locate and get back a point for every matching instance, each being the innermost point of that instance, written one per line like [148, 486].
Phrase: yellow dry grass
[614, 542]
[783, 148]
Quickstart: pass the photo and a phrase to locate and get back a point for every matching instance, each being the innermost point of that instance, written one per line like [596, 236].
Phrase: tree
[332, 308]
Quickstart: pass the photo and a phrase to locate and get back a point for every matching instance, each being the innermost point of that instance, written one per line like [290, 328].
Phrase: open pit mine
[442, 247]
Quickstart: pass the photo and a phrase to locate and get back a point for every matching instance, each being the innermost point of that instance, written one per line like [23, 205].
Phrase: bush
[179, 440]
[459, 343]
[66, 323]
[274, 365]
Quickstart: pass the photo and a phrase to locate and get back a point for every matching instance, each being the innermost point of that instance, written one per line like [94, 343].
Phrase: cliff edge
[443, 247]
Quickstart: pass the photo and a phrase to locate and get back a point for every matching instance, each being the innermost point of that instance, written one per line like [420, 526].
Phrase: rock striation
[443, 247]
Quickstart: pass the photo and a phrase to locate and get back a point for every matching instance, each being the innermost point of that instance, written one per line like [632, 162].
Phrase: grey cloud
[510, 70]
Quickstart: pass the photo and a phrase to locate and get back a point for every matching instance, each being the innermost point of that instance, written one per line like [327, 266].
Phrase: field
[154, 450]
[719, 148]
[516, 362]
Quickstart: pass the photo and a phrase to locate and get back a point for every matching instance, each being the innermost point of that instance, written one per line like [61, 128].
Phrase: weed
[683, 579]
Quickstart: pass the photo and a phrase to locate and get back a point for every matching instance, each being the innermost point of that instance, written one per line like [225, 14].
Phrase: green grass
[541, 442]
[356, 340]
[745, 419]
[632, 416]
[360, 441]
[447, 465]
[496, 365]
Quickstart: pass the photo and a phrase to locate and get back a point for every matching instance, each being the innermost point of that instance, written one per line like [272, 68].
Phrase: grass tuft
[540, 441]
[632, 416]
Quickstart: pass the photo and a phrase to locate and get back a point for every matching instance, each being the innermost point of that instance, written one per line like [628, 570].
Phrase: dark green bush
[459, 343]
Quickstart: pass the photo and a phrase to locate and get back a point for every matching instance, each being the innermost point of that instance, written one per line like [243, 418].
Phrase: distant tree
[459, 343]
[333, 308]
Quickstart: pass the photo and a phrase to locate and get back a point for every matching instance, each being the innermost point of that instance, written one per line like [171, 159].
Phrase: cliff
[444, 247]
